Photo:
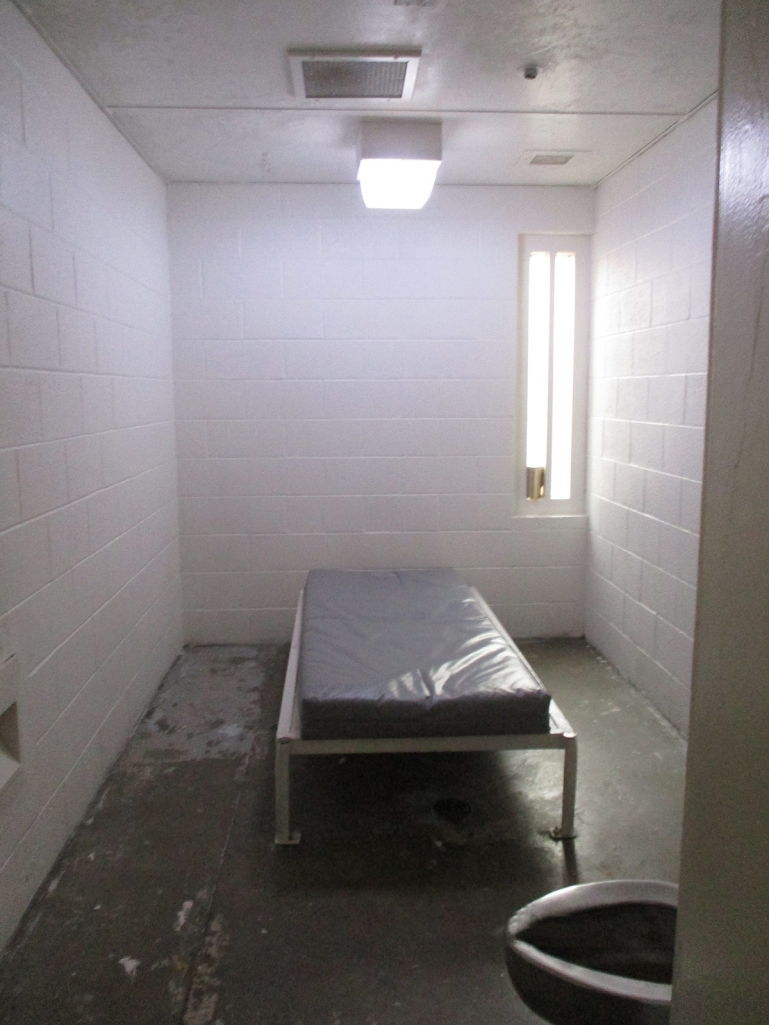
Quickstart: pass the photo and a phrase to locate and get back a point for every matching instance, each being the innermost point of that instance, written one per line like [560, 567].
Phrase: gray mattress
[409, 654]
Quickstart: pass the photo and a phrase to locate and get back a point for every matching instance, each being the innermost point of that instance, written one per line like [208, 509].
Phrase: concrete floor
[170, 903]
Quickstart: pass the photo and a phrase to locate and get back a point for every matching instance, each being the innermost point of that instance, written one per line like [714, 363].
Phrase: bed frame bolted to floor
[289, 742]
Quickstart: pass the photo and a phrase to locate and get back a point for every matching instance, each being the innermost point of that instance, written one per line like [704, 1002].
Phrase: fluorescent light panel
[398, 163]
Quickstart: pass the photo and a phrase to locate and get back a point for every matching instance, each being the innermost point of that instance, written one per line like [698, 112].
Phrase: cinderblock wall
[89, 575]
[651, 267]
[346, 397]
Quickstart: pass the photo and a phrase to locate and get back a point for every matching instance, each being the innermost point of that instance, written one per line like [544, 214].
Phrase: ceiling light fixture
[398, 163]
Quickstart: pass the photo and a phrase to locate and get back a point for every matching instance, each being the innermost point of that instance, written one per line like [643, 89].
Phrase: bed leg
[283, 834]
[566, 829]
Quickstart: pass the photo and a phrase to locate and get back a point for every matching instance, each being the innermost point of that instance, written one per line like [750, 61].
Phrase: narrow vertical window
[538, 376]
[563, 374]
[556, 302]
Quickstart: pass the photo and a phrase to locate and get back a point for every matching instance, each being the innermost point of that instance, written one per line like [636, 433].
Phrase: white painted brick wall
[89, 579]
[651, 265]
[345, 394]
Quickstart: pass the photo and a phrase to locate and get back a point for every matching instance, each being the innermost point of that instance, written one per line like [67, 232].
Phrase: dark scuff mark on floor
[204, 990]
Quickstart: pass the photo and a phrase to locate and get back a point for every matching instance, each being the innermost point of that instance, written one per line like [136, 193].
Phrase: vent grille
[354, 74]
[353, 79]
[551, 159]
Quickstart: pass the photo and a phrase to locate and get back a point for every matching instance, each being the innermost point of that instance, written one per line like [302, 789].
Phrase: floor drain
[452, 809]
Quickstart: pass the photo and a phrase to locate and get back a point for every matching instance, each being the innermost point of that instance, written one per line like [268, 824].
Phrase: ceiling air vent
[551, 159]
[347, 75]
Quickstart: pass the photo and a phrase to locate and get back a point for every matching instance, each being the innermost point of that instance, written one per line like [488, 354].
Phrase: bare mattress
[411, 653]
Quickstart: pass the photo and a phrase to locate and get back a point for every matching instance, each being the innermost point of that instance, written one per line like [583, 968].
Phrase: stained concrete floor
[171, 906]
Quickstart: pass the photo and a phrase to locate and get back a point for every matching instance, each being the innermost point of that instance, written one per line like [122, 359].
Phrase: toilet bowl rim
[658, 993]
[582, 897]
[585, 896]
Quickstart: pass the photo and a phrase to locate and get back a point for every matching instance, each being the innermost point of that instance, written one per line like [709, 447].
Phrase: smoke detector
[354, 74]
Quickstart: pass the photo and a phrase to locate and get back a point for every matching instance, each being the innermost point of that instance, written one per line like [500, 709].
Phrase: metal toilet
[596, 953]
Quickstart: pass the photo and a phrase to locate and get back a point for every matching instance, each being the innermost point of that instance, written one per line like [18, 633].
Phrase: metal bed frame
[289, 742]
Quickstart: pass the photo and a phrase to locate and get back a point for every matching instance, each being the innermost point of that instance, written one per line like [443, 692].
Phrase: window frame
[580, 245]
